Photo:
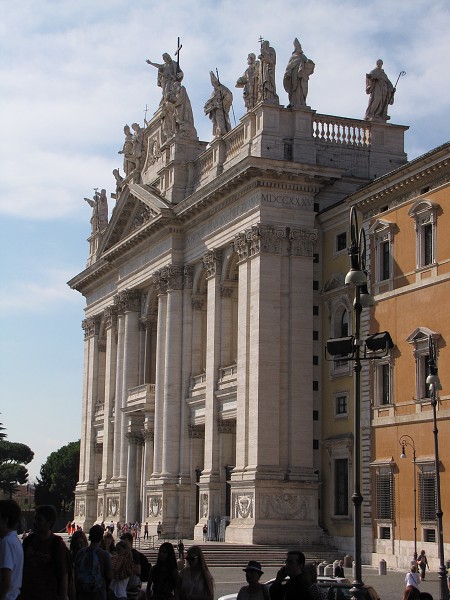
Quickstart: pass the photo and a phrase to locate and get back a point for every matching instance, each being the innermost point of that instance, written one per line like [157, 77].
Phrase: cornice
[92, 273]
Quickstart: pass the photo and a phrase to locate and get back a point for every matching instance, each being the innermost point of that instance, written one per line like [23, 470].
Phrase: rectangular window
[385, 260]
[385, 384]
[427, 244]
[427, 496]
[385, 495]
[341, 405]
[341, 242]
[429, 535]
[385, 533]
[341, 486]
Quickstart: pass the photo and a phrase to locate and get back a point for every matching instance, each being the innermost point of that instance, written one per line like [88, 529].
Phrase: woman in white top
[413, 577]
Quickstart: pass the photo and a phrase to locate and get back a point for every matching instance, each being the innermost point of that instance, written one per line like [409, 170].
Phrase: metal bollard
[382, 567]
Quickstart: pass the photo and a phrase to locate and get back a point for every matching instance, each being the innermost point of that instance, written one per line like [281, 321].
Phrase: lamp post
[353, 348]
[434, 385]
[407, 440]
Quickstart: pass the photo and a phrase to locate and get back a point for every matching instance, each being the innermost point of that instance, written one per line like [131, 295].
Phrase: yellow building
[406, 215]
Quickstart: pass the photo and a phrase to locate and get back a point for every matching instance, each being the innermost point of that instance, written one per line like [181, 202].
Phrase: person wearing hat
[254, 590]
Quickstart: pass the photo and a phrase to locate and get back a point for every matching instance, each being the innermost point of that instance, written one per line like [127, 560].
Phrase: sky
[72, 74]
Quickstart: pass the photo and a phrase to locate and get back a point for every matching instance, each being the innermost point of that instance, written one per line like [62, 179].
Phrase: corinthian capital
[175, 277]
[240, 244]
[91, 326]
[212, 262]
[160, 281]
[265, 239]
[128, 301]
[302, 241]
[110, 315]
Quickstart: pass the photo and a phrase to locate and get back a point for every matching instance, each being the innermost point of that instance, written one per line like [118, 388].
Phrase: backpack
[88, 572]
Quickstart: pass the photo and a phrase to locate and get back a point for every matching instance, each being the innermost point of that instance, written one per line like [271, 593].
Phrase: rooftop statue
[381, 92]
[267, 90]
[127, 151]
[168, 74]
[136, 141]
[249, 81]
[218, 107]
[99, 203]
[296, 76]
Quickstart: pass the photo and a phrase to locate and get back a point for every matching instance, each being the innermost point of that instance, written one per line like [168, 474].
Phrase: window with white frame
[383, 241]
[424, 213]
[420, 340]
[383, 381]
[339, 451]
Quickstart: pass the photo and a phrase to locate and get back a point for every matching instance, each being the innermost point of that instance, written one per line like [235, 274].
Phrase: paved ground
[389, 587]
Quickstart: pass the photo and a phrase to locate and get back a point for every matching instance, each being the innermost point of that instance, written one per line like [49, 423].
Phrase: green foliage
[58, 478]
[13, 458]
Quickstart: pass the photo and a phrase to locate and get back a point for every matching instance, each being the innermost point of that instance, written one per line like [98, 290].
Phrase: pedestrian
[163, 578]
[159, 530]
[412, 577]
[411, 593]
[46, 563]
[310, 578]
[77, 542]
[122, 569]
[11, 553]
[195, 581]
[423, 564]
[339, 569]
[254, 590]
[180, 549]
[205, 532]
[295, 587]
[146, 531]
[108, 543]
[141, 566]
[93, 572]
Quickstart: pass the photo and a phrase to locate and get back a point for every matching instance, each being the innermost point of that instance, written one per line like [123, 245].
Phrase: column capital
[188, 277]
[110, 316]
[240, 245]
[135, 437]
[128, 301]
[175, 277]
[160, 282]
[302, 241]
[148, 435]
[265, 239]
[212, 262]
[226, 426]
[91, 326]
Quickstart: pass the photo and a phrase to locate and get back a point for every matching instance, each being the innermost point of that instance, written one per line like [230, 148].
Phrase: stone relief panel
[80, 508]
[154, 506]
[243, 506]
[286, 506]
[204, 505]
[113, 507]
[100, 507]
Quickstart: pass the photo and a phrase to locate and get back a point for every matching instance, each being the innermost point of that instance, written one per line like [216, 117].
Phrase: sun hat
[253, 565]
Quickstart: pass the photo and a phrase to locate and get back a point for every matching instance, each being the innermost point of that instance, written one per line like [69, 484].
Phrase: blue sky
[73, 73]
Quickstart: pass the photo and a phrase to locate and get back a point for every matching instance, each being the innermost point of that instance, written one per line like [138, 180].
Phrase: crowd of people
[102, 566]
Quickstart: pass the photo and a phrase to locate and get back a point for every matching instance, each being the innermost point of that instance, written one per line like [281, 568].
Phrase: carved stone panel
[154, 506]
[204, 500]
[113, 505]
[243, 506]
[286, 506]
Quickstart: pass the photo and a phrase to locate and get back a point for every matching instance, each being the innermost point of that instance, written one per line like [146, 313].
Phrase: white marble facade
[201, 324]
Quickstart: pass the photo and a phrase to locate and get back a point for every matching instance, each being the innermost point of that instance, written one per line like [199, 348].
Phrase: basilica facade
[203, 328]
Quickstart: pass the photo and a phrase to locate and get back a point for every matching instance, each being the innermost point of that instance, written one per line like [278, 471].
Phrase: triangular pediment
[335, 282]
[138, 206]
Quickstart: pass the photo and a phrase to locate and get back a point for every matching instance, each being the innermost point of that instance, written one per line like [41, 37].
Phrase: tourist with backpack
[93, 572]
[46, 564]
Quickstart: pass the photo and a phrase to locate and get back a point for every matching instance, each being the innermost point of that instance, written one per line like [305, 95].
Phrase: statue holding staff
[218, 107]
[168, 73]
[381, 94]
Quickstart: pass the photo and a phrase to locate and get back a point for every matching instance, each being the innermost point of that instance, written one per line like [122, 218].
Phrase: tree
[13, 458]
[58, 478]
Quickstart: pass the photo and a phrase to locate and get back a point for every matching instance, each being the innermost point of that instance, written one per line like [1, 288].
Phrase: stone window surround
[383, 231]
[340, 447]
[378, 380]
[424, 212]
[336, 396]
[419, 339]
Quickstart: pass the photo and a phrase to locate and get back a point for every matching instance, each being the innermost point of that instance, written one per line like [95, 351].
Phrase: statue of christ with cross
[169, 72]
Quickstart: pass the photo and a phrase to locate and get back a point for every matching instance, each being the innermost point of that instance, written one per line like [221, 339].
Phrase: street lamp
[403, 441]
[353, 348]
[434, 385]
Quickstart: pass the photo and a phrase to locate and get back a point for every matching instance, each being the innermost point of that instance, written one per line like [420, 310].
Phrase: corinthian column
[131, 513]
[130, 301]
[212, 261]
[110, 317]
[172, 373]
[91, 327]
[119, 382]
[161, 287]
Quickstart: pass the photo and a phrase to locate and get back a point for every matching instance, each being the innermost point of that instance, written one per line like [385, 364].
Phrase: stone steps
[235, 555]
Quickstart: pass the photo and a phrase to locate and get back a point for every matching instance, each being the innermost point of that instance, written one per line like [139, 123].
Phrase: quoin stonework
[210, 289]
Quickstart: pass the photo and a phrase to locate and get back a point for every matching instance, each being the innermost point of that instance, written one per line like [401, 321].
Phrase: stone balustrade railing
[341, 131]
[141, 393]
[234, 141]
[227, 372]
